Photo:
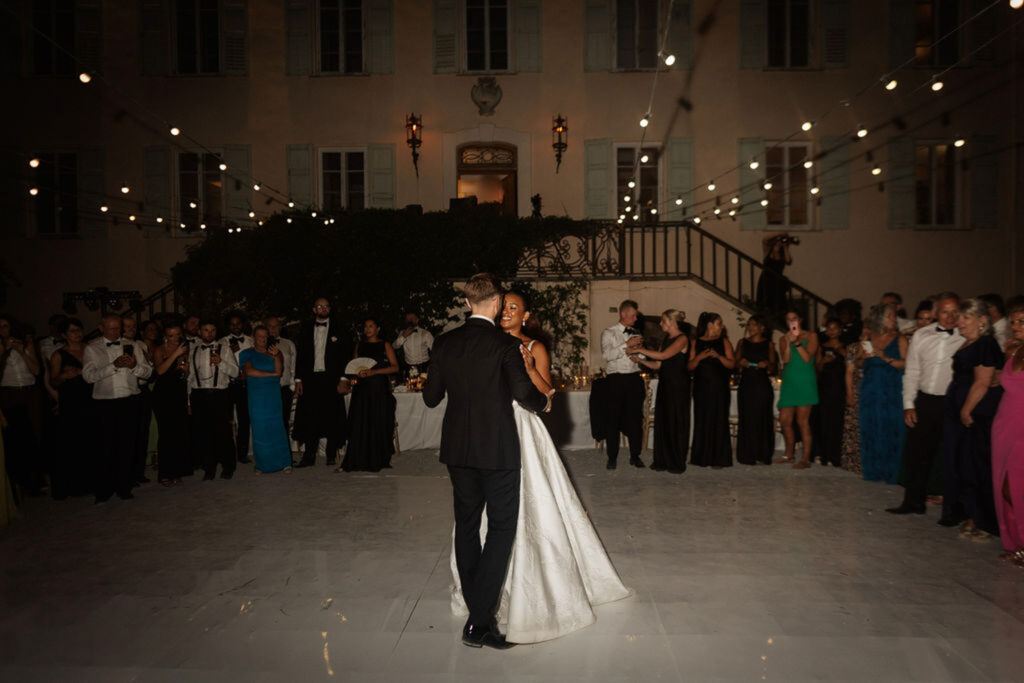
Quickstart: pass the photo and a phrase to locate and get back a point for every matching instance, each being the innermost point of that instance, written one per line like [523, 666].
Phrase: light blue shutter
[834, 182]
[679, 163]
[446, 36]
[13, 193]
[527, 25]
[599, 175]
[299, 159]
[238, 181]
[984, 173]
[91, 192]
[380, 51]
[981, 31]
[89, 35]
[299, 28]
[752, 216]
[597, 38]
[753, 34]
[835, 29]
[234, 37]
[154, 18]
[381, 175]
[156, 187]
[902, 32]
[680, 35]
[900, 184]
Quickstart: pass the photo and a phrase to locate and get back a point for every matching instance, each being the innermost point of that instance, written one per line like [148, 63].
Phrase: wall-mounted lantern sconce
[559, 138]
[414, 138]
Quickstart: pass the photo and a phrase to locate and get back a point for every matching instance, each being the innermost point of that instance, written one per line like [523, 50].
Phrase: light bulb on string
[636, 216]
[125, 189]
[631, 184]
[654, 211]
[175, 131]
[34, 163]
[104, 208]
[877, 170]
[960, 142]
[132, 218]
[33, 191]
[327, 222]
[815, 190]
[619, 221]
[252, 214]
[259, 222]
[764, 202]
[159, 219]
[754, 164]
[807, 125]
[191, 205]
[84, 77]
[313, 214]
[862, 132]
[679, 201]
[711, 186]
[735, 200]
[202, 226]
[891, 85]
[732, 212]
[668, 58]
[937, 84]
[717, 211]
[644, 159]
[696, 220]
[628, 209]
[222, 166]
[808, 163]
[645, 120]
[622, 217]
[230, 230]
[626, 199]
[287, 220]
[768, 185]
[1016, 4]
[256, 187]
[291, 205]
[182, 225]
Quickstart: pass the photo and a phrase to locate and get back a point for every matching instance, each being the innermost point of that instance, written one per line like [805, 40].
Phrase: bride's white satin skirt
[558, 570]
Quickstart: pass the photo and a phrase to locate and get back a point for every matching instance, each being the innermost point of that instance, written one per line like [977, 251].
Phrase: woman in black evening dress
[72, 474]
[672, 404]
[828, 417]
[371, 415]
[711, 363]
[170, 405]
[755, 436]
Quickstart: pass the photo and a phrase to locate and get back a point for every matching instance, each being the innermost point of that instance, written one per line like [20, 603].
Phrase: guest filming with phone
[799, 394]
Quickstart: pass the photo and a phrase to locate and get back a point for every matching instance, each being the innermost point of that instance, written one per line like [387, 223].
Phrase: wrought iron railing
[162, 300]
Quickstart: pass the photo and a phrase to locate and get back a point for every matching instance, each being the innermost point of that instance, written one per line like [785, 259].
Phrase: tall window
[636, 34]
[644, 196]
[197, 36]
[200, 189]
[789, 197]
[343, 180]
[487, 35]
[789, 33]
[341, 36]
[56, 206]
[53, 21]
[935, 185]
[935, 19]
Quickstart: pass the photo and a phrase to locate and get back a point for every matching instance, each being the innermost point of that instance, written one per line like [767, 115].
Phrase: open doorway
[488, 172]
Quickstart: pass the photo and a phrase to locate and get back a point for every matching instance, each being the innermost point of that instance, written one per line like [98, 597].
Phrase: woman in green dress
[797, 349]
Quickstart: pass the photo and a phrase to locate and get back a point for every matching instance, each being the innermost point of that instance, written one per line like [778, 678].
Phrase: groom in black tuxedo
[482, 371]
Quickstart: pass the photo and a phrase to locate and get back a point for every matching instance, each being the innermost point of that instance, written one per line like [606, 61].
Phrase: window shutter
[154, 18]
[237, 184]
[300, 174]
[380, 54]
[752, 216]
[834, 182]
[679, 162]
[753, 33]
[597, 183]
[900, 185]
[981, 30]
[446, 36]
[91, 192]
[234, 37]
[156, 187]
[381, 175]
[835, 29]
[89, 35]
[597, 39]
[13, 193]
[299, 27]
[679, 41]
[984, 176]
[902, 32]
[528, 35]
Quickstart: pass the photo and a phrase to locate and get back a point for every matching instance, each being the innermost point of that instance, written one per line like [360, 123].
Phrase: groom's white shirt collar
[482, 317]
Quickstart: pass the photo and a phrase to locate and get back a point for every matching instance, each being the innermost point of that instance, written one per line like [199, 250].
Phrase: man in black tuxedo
[323, 349]
[482, 370]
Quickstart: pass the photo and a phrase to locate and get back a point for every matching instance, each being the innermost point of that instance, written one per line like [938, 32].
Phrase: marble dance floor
[745, 574]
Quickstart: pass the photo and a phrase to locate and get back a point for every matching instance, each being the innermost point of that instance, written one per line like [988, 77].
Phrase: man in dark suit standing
[322, 350]
[481, 369]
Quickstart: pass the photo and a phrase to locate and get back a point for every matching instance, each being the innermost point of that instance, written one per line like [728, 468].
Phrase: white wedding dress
[558, 569]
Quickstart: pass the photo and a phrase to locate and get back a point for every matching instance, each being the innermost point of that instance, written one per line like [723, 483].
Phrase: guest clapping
[883, 354]
[1008, 445]
[672, 404]
[799, 393]
[262, 365]
[711, 363]
[372, 412]
[755, 436]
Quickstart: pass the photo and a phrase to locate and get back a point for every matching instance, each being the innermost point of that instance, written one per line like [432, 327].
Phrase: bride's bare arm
[538, 366]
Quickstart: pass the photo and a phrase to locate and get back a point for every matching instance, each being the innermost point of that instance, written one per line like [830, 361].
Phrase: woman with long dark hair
[755, 435]
[170, 405]
[672, 404]
[72, 465]
[828, 414]
[712, 361]
[371, 415]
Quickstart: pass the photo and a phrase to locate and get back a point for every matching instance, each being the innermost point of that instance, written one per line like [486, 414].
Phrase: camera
[788, 239]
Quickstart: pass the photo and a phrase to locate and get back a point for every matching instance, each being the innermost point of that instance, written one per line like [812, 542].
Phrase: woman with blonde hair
[882, 354]
[672, 403]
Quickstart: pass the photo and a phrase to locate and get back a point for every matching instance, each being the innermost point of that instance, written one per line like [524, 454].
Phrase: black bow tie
[321, 324]
[631, 332]
[943, 329]
[114, 343]
[206, 347]
[237, 340]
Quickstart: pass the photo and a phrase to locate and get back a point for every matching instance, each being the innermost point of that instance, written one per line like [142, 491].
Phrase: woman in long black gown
[371, 415]
[672, 404]
[71, 474]
[170, 404]
[755, 435]
[828, 416]
[711, 362]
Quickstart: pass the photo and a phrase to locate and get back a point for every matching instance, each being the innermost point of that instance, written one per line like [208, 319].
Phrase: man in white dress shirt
[237, 340]
[928, 372]
[903, 323]
[114, 366]
[20, 405]
[626, 390]
[415, 343]
[212, 366]
[287, 347]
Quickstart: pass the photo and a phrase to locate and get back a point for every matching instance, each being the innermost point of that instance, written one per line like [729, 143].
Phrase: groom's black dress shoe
[905, 509]
[481, 636]
[611, 465]
[636, 462]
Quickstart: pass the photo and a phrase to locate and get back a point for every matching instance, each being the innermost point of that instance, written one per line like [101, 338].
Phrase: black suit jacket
[337, 353]
[481, 370]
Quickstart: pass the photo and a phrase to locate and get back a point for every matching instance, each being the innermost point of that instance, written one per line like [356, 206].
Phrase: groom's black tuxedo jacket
[481, 370]
[337, 352]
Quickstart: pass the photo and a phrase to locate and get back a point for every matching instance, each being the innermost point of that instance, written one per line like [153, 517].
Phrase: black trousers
[240, 405]
[211, 429]
[118, 421]
[286, 408]
[626, 393]
[22, 410]
[145, 414]
[482, 570]
[321, 412]
[922, 447]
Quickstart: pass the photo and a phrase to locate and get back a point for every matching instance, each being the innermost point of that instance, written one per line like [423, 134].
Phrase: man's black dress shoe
[484, 636]
[610, 465]
[636, 462]
[905, 509]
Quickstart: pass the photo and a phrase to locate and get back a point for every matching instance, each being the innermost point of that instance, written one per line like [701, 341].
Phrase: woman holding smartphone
[883, 353]
[797, 350]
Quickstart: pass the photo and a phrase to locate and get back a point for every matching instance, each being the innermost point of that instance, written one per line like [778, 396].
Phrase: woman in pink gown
[1008, 446]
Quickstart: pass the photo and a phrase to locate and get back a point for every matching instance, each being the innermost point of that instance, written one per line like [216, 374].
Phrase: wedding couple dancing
[525, 552]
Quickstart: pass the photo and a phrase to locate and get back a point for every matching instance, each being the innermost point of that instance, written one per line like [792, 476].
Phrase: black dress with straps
[72, 463]
[711, 445]
[755, 436]
[371, 417]
[672, 413]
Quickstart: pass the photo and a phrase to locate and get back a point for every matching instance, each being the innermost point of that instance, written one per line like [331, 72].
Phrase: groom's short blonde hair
[481, 287]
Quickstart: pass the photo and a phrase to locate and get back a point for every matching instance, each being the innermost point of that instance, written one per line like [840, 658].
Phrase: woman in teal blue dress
[262, 366]
[882, 355]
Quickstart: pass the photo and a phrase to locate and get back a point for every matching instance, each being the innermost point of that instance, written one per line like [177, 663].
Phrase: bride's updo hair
[531, 326]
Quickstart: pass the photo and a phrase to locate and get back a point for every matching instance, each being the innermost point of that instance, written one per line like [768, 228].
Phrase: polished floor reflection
[743, 574]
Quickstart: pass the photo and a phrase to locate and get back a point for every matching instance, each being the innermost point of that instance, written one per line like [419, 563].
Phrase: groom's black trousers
[482, 571]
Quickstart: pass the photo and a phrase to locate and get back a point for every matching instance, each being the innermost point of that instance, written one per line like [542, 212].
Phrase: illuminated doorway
[488, 172]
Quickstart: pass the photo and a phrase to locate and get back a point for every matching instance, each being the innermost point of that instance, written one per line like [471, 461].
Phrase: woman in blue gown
[262, 366]
[883, 355]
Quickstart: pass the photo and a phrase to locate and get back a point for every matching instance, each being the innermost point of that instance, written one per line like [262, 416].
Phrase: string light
[644, 159]
[768, 185]
[696, 220]
[622, 217]
[669, 59]
[735, 200]
[619, 221]
[191, 205]
[256, 187]
[34, 163]
[807, 126]
[754, 164]
[202, 226]
[231, 229]
[84, 77]
[653, 211]
[732, 212]
[1016, 4]
[937, 84]
[626, 198]
[175, 131]
[104, 208]
[125, 189]
[815, 190]
[291, 205]
[222, 166]
[877, 170]
[631, 184]
[181, 225]
[717, 211]
[808, 163]
[159, 219]
[764, 202]
[259, 222]
[960, 142]
[132, 218]
[252, 214]
[862, 132]
[679, 201]
[645, 120]
[636, 216]
[33, 191]
[314, 214]
[287, 220]
[628, 209]
[891, 85]
[711, 186]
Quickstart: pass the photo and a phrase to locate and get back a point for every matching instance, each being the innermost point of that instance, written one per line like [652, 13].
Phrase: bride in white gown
[558, 569]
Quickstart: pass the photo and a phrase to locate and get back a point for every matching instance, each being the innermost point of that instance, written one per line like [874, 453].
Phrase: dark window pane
[923, 185]
[209, 37]
[774, 172]
[647, 34]
[498, 18]
[476, 35]
[42, 49]
[776, 21]
[213, 184]
[625, 34]
[353, 26]
[924, 15]
[187, 42]
[355, 180]
[67, 194]
[64, 36]
[949, 20]
[330, 40]
[799, 33]
[945, 188]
